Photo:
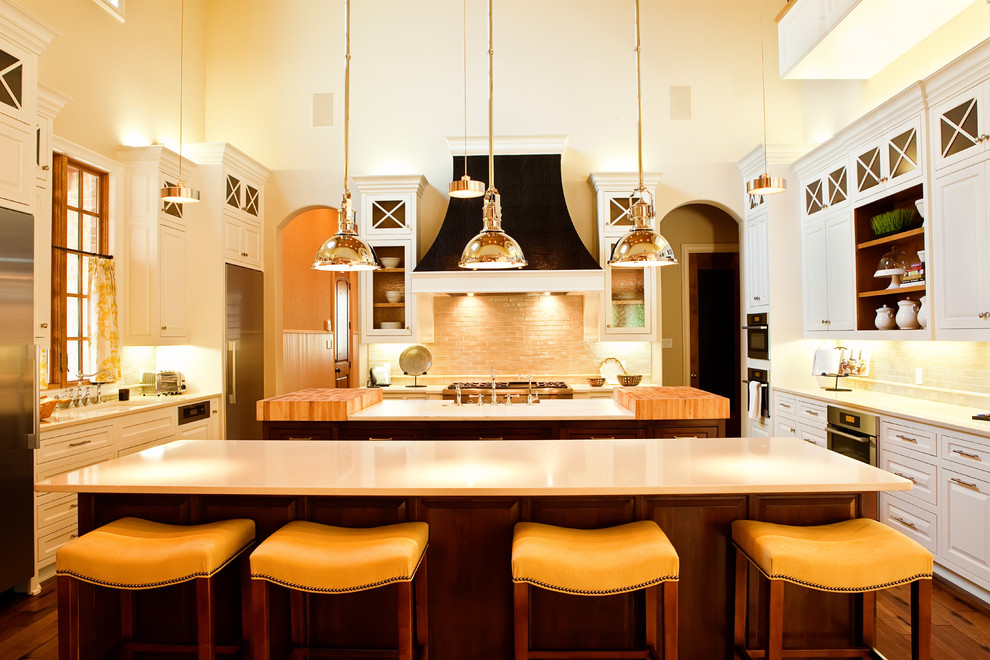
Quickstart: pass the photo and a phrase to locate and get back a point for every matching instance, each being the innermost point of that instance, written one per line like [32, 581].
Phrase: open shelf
[871, 292]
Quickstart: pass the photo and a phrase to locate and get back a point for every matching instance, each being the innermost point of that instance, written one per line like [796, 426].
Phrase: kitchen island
[362, 414]
[471, 493]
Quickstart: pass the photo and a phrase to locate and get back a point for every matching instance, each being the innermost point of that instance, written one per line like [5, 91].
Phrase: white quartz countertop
[437, 411]
[478, 467]
[910, 408]
[85, 414]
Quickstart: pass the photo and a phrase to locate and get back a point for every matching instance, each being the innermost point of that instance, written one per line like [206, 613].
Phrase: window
[114, 7]
[79, 232]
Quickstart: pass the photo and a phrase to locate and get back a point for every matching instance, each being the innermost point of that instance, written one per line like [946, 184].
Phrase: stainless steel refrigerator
[244, 373]
[19, 421]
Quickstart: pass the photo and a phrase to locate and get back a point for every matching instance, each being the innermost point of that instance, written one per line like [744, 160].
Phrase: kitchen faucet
[494, 396]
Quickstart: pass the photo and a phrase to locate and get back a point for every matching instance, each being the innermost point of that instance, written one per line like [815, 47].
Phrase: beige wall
[692, 225]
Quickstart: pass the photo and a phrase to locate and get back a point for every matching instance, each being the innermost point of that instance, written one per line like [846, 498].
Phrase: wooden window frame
[58, 357]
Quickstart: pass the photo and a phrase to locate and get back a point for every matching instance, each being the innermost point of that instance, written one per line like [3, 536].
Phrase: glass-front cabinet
[388, 213]
[629, 300]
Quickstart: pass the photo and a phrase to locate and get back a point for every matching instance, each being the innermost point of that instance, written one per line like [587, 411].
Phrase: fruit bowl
[596, 381]
[629, 380]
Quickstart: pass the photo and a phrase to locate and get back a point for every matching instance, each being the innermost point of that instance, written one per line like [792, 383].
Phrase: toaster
[169, 382]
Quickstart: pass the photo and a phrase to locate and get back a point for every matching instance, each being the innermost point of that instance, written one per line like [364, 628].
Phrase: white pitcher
[923, 312]
[907, 315]
[885, 319]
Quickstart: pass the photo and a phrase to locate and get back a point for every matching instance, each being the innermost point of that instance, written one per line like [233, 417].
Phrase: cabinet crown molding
[390, 183]
[50, 100]
[24, 28]
[622, 181]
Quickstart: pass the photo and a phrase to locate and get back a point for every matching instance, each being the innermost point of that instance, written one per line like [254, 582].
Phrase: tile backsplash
[517, 334]
[954, 372]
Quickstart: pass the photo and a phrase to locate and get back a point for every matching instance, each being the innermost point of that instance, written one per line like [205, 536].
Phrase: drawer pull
[484, 438]
[810, 442]
[74, 505]
[904, 476]
[907, 439]
[811, 412]
[904, 522]
[785, 405]
[73, 536]
[379, 439]
[966, 484]
[80, 443]
[975, 457]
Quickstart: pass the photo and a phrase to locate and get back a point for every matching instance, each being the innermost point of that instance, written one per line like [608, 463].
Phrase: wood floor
[961, 628]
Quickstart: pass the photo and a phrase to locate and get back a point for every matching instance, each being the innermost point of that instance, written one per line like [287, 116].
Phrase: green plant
[894, 221]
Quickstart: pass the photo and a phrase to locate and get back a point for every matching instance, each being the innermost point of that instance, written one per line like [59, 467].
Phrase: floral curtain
[104, 345]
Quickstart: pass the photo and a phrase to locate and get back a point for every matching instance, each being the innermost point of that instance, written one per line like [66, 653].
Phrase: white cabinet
[143, 430]
[959, 126]
[799, 417]
[890, 162]
[388, 214]
[156, 267]
[630, 298]
[241, 242]
[756, 262]
[965, 523]
[829, 284]
[17, 145]
[961, 259]
[22, 39]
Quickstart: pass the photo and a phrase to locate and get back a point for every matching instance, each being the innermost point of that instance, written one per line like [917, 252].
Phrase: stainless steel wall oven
[757, 336]
[853, 434]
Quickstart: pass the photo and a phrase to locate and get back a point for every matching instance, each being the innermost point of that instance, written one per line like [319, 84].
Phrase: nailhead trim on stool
[131, 555]
[864, 548]
[311, 558]
[595, 562]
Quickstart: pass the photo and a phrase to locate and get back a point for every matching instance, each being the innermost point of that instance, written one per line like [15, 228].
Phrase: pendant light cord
[182, 23]
[347, 88]
[763, 80]
[639, 103]
[464, 42]
[491, 92]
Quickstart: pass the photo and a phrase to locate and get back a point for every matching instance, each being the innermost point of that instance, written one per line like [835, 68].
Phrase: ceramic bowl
[596, 381]
[629, 380]
[393, 296]
[391, 325]
[390, 262]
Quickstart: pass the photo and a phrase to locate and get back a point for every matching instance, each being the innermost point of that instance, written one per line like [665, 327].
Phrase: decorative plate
[415, 361]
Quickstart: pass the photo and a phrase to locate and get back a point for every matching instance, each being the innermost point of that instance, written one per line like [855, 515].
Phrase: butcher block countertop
[366, 404]
[481, 467]
[318, 404]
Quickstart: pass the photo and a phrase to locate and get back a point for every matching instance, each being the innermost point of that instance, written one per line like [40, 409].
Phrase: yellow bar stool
[597, 562]
[854, 556]
[308, 557]
[132, 554]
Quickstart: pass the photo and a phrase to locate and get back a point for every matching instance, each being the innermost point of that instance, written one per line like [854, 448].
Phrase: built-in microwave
[757, 336]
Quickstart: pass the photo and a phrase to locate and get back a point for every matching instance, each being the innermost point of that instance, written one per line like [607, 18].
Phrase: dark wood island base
[469, 583]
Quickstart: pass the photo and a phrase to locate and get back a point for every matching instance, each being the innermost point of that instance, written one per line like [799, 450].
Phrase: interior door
[342, 329]
[715, 336]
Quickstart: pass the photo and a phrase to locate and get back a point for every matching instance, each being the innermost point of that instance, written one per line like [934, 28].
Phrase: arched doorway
[314, 346]
[700, 300]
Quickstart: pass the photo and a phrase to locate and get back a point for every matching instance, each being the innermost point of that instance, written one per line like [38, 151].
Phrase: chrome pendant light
[180, 193]
[345, 250]
[492, 248]
[465, 187]
[641, 246]
[764, 184]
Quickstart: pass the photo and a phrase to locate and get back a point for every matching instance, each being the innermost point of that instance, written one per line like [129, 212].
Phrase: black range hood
[534, 213]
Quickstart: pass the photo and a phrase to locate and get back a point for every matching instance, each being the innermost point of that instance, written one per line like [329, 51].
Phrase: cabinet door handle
[44, 325]
[792, 429]
[80, 443]
[45, 168]
[244, 254]
[975, 457]
[904, 522]
[164, 327]
[905, 438]
[904, 476]
[966, 484]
